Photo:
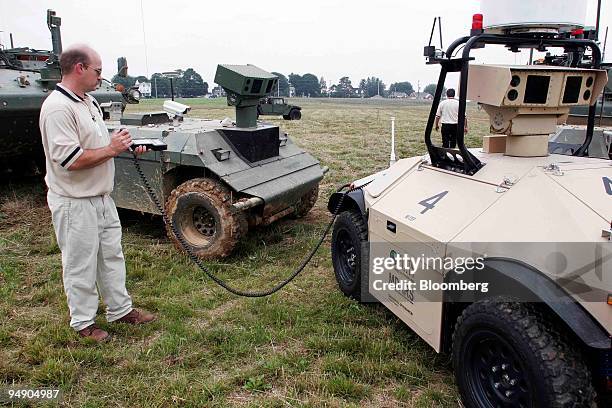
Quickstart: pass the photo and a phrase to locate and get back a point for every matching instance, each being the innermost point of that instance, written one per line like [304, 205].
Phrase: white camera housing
[175, 108]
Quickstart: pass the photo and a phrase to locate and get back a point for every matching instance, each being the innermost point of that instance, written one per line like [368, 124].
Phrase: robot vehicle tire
[505, 354]
[201, 210]
[348, 252]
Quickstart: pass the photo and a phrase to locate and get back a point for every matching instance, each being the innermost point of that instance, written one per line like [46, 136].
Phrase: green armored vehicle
[27, 77]
[217, 178]
[276, 106]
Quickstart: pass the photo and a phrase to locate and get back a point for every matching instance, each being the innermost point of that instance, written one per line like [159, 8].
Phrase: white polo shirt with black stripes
[70, 124]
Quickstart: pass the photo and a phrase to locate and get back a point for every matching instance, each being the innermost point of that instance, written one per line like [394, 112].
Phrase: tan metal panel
[456, 202]
[589, 183]
[422, 314]
[391, 175]
[537, 209]
[527, 146]
[488, 83]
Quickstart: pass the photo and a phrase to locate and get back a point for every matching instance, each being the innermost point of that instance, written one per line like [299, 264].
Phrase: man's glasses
[98, 70]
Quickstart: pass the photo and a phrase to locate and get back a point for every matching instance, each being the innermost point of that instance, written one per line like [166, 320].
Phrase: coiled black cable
[203, 267]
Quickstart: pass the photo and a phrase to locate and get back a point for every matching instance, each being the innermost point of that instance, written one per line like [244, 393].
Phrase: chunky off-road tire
[307, 201]
[286, 117]
[506, 354]
[348, 250]
[295, 114]
[201, 210]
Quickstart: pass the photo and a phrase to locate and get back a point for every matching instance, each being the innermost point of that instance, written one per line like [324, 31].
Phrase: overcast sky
[329, 38]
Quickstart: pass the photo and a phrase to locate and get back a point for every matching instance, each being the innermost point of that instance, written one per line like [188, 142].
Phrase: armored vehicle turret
[27, 77]
[500, 255]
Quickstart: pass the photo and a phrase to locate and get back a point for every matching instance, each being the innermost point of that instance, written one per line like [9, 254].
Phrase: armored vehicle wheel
[307, 201]
[505, 355]
[349, 235]
[201, 211]
[295, 114]
[286, 117]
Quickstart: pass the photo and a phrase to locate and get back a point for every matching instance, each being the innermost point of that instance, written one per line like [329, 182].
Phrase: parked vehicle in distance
[275, 106]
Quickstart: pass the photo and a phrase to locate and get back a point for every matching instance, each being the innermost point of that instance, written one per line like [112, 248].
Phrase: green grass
[306, 346]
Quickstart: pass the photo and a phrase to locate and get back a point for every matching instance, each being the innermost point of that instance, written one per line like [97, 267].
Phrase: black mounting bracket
[460, 159]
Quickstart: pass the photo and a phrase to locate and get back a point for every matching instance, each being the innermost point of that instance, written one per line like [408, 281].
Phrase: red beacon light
[477, 27]
[477, 22]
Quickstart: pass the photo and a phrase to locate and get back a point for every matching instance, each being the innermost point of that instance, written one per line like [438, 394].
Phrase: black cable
[203, 267]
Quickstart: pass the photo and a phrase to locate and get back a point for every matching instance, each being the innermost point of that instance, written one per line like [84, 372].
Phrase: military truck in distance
[218, 178]
[27, 77]
[538, 226]
[275, 106]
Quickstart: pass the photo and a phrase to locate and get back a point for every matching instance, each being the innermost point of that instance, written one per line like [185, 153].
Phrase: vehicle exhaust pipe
[246, 204]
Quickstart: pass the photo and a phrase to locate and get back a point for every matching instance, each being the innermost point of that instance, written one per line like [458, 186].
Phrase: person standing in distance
[448, 114]
[80, 174]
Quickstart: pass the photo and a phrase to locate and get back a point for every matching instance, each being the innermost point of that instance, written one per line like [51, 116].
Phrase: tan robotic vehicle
[500, 256]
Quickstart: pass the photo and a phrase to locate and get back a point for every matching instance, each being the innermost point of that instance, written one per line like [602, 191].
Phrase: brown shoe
[137, 317]
[95, 333]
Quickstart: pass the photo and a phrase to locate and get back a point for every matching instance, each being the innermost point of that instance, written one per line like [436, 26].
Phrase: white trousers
[88, 233]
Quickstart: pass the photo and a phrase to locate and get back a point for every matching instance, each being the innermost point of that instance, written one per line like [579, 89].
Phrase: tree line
[187, 84]
[190, 84]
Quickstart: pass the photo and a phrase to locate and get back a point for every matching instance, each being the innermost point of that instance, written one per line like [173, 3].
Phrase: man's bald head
[75, 54]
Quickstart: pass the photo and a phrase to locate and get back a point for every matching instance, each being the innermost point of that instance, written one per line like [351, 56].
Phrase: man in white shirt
[80, 176]
[448, 114]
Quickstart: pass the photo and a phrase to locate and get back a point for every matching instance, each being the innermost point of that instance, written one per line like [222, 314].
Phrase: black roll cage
[460, 159]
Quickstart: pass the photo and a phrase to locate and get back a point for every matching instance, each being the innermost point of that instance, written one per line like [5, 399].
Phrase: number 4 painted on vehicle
[430, 203]
[607, 185]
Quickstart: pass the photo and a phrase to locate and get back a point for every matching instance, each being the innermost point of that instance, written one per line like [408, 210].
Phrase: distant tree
[401, 87]
[191, 84]
[363, 86]
[310, 83]
[374, 86]
[296, 81]
[160, 86]
[305, 85]
[283, 84]
[344, 89]
[322, 86]
[431, 89]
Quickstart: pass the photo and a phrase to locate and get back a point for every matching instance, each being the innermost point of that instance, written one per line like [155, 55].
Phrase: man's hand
[140, 150]
[120, 141]
[465, 129]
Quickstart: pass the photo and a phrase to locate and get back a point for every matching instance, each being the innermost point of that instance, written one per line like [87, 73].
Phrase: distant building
[400, 95]
[352, 91]
[144, 88]
[218, 92]
[423, 96]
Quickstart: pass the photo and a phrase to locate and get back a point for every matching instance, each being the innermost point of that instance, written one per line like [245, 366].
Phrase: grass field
[304, 346]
